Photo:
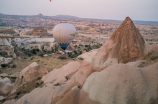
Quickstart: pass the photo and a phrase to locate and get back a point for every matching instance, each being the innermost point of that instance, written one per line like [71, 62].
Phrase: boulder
[4, 60]
[124, 84]
[32, 72]
[5, 86]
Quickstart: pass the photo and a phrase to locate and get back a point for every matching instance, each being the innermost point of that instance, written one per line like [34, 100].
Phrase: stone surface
[126, 44]
[5, 86]
[33, 71]
[4, 60]
[30, 73]
[63, 74]
[124, 84]
[1, 97]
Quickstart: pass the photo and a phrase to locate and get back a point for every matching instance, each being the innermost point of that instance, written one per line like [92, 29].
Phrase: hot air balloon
[64, 33]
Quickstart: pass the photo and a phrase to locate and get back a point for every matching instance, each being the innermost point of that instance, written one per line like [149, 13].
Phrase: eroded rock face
[5, 86]
[63, 74]
[126, 44]
[33, 72]
[124, 84]
[38, 31]
[30, 73]
[7, 31]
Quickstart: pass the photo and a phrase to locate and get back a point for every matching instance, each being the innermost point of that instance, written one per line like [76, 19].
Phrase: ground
[51, 62]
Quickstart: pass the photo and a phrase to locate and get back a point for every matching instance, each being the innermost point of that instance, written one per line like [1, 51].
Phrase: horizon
[141, 10]
[79, 17]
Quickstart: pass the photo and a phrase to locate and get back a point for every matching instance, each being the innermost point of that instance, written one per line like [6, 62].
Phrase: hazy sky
[101, 9]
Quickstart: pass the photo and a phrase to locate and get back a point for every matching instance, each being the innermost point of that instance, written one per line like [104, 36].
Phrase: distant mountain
[40, 14]
[146, 22]
[66, 16]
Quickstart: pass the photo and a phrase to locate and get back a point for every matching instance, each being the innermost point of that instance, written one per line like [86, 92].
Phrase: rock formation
[126, 44]
[115, 74]
[61, 75]
[38, 31]
[7, 31]
[30, 73]
[5, 86]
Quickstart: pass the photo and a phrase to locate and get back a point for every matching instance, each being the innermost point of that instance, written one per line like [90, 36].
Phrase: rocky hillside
[7, 31]
[38, 31]
[123, 71]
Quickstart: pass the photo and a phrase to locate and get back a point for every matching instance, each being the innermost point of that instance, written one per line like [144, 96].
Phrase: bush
[3, 65]
[154, 58]
[53, 51]
[32, 58]
[61, 57]
[33, 51]
[29, 55]
[37, 50]
[14, 66]
[41, 55]
[86, 45]
[57, 84]
[75, 52]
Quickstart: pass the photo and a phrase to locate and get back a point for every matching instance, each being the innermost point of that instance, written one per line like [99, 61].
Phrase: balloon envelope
[64, 33]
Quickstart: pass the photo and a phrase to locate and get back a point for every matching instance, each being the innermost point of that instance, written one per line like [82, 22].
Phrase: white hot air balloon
[64, 33]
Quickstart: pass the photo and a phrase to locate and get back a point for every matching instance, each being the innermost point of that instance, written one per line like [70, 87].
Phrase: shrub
[37, 50]
[41, 55]
[14, 66]
[57, 84]
[86, 45]
[61, 57]
[18, 93]
[33, 51]
[29, 55]
[53, 50]
[75, 52]
[154, 58]
[3, 65]
[32, 58]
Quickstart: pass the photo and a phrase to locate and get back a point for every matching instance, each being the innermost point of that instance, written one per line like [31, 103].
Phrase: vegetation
[3, 65]
[41, 54]
[57, 84]
[14, 66]
[62, 57]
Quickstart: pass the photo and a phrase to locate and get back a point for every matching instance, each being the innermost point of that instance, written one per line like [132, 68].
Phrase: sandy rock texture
[63, 74]
[30, 73]
[5, 86]
[126, 44]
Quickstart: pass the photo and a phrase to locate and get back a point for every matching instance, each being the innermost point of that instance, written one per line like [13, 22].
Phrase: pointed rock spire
[126, 44]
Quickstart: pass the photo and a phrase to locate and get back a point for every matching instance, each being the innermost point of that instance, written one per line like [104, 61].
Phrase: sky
[146, 10]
